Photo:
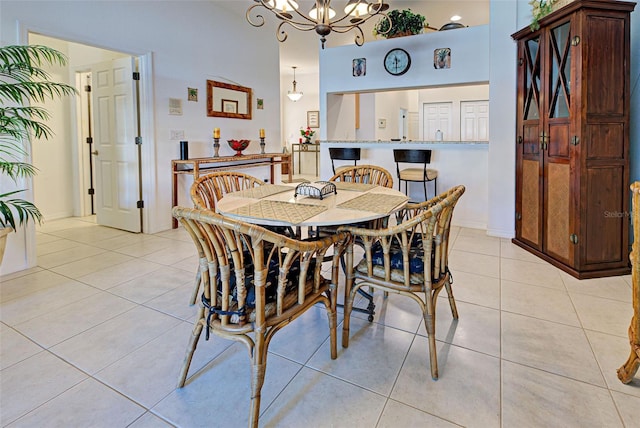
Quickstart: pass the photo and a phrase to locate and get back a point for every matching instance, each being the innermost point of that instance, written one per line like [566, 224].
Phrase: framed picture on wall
[442, 58]
[359, 66]
[313, 119]
[229, 106]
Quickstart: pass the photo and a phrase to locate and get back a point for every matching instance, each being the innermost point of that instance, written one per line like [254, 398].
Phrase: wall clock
[397, 61]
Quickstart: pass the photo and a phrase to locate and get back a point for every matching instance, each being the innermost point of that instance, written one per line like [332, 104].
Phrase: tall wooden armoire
[572, 138]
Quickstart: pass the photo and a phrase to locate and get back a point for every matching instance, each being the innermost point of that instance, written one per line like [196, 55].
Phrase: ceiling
[302, 48]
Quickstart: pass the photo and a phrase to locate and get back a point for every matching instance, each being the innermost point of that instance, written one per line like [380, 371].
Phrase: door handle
[95, 152]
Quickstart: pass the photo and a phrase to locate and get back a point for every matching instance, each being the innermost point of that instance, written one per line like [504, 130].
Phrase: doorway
[98, 157]
[437, 117]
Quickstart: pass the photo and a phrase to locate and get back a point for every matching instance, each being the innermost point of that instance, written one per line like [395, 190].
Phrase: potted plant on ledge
[400, 23]
[23, 81]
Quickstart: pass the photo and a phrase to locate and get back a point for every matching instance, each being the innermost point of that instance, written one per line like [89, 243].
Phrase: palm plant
[400, 23]
[23, 81]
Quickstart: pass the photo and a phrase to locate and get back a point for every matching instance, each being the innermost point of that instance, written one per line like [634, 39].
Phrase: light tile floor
[95, 336]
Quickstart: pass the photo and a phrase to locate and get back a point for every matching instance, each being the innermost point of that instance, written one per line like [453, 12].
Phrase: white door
[436, 116]
[414, 128]
[116, 160]
[474, 120]
[403, 127]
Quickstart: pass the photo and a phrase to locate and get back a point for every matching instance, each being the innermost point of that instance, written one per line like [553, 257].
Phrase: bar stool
[343, 153]
[423, 174]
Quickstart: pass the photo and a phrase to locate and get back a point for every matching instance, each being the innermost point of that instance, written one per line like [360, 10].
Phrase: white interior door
[474, 120]
[116, 160]
[437, 116]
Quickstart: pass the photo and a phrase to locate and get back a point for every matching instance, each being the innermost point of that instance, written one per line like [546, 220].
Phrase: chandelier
[294, 95]
[320, 18]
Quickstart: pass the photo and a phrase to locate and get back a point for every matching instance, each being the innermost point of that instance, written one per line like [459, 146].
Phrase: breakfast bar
[457, 162]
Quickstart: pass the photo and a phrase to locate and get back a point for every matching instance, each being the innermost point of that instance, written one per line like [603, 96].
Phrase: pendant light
[294, 95]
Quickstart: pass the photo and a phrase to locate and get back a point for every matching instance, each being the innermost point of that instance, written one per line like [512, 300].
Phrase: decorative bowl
[238, 145]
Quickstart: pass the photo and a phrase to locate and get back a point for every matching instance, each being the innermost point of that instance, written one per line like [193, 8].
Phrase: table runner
[374, 202]
[280, 211]
[345, 185]
[262, 191]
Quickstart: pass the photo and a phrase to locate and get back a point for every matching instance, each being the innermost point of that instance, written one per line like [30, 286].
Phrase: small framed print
[192, 94]
[442, 58]
[260, 104]
[313, 119]
[229, 106]
[359, 67]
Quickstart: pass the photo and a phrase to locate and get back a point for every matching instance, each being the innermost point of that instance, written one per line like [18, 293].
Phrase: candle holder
[262, 145]
[216, 147]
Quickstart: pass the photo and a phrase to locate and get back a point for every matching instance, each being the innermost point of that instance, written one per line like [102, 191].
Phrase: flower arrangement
[540, 9]
[307, 134]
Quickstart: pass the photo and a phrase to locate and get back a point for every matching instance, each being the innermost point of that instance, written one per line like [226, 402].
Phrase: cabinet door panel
[605, 141]
[559, 79]
[558, 212]
[604, 215]
[606, 82]
[531, 140]
[530, 192]
[559, 141]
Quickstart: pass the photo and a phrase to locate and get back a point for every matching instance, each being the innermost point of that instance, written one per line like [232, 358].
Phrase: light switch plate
[177, 134]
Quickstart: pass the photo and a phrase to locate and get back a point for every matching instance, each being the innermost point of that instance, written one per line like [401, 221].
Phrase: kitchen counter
[439, 143]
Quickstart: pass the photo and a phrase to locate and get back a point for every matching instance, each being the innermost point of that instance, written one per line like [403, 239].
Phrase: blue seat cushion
[416, 262]
[271, 287]
[416, 255]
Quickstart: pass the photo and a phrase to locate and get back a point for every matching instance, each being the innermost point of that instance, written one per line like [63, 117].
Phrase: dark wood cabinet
[572, 138]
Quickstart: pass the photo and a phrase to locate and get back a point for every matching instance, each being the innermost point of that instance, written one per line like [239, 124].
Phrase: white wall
[388, 105]
[53, 185]
[469, 63]
[190, 42]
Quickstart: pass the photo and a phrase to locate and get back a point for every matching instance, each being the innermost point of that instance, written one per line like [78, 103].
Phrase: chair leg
[348, 297]
[258, 370]
[424, 183]
[452, 301]
[196, 289]
[191, 347]
[430, 325]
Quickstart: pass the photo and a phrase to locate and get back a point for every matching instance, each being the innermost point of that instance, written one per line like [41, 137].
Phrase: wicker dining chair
[368, 174]
[257, 282]
[410, 259]
[208, 189]
[365, 174]
[628, 370]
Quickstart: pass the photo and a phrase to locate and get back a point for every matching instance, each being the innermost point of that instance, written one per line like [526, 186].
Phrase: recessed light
[455, 18]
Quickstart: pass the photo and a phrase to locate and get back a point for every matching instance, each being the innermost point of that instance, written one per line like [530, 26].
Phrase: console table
[309, 148]
[197, 166]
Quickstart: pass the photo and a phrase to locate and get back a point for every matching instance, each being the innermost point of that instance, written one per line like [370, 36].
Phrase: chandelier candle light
[320, 18]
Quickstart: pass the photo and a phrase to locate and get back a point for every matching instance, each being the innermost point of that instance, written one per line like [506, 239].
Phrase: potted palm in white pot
[23, 81]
